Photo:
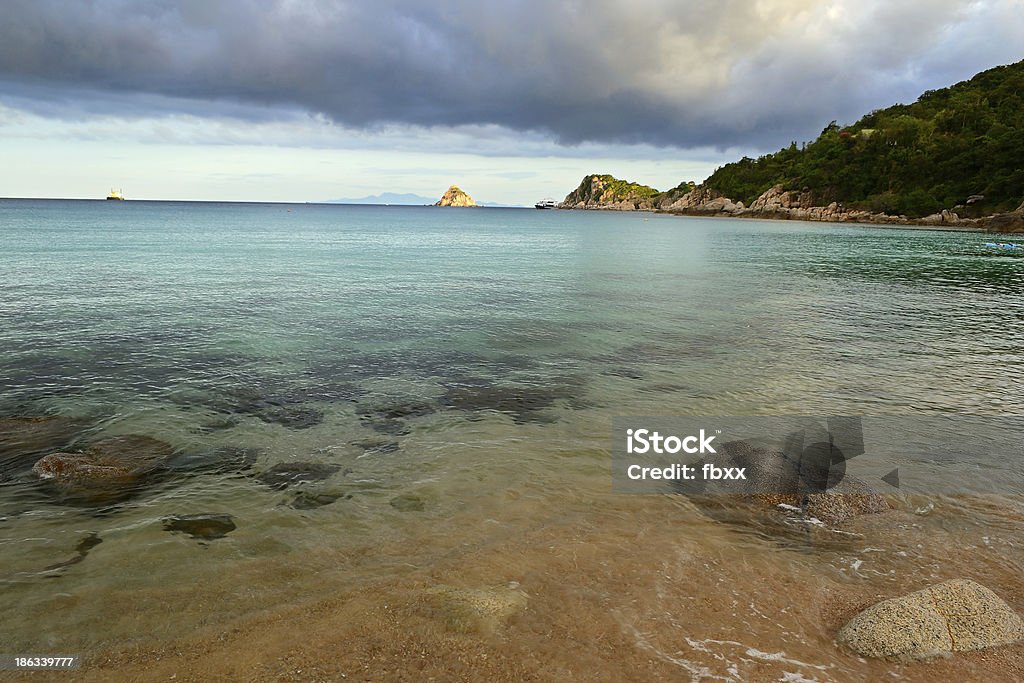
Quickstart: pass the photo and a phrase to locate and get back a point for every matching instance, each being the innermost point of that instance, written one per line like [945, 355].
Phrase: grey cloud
[699, 73]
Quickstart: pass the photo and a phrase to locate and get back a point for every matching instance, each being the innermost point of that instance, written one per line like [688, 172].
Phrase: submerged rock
[108, 470]
[285, 406]
[850, 498]
[475, 609]
[223, 460]
[203, 526]
[377, 445]
[523, 404]
[82, 548]
[285, 474]
[292, 417]
[389, 417]
[408, 502]
[396, 410]
[20, 435]
[311, 500]
[777, 482]
[625, 373]
[22, 439]
[953, 616]
[389, 426]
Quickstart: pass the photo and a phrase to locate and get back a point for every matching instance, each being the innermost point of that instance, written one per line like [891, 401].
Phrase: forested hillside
[958, 147]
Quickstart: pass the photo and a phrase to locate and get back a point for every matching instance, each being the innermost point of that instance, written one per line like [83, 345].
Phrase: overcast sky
[305, 100]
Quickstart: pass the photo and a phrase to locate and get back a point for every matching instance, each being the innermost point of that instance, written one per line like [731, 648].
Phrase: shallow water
[460, 369]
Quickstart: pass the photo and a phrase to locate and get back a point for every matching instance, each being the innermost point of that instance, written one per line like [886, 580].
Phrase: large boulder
[944, 217]
[722, 205]
[954, 616]
[1005, 222]
[106, 471]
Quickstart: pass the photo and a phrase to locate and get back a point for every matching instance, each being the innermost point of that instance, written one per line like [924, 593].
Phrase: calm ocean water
[416, 367]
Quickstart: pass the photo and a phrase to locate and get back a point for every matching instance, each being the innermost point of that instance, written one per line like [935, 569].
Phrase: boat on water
[546, 203]
[117, 195]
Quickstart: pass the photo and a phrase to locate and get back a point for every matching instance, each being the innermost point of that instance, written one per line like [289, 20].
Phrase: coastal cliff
[455, 197]
[776, 202]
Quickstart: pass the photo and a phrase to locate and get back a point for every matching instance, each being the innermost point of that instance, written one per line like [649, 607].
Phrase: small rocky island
[455, 197]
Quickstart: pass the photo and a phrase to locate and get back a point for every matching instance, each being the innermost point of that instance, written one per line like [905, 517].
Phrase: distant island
[401, 199]
[455, 197]
[404, 199]
[952, 158]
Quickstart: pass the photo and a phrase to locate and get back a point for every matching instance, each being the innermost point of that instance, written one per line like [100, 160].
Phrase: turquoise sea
[376, 391]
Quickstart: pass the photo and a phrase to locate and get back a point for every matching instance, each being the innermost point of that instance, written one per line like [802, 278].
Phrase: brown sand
[621, 588]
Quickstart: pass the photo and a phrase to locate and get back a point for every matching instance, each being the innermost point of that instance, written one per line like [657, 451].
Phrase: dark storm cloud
[686, 74]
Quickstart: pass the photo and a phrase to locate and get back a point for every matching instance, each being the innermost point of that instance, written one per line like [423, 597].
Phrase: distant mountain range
[406, 199]
[401, 199]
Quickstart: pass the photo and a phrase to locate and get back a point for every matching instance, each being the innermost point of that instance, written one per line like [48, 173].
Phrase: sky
[312, 100]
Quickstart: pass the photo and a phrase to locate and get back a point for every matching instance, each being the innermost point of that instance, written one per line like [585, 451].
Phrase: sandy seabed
[598, 588]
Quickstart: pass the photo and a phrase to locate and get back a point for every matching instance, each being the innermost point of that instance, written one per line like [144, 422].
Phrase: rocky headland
[607, 193]
[951, 159]
[455, 197]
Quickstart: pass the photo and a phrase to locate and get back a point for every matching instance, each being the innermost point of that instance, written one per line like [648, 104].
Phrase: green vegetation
[605, 188]
[952, 144]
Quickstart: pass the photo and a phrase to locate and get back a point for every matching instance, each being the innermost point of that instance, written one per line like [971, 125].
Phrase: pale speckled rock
[850, 498]
[773, 480]
[475, 609]
[953, 616]
[106, 471]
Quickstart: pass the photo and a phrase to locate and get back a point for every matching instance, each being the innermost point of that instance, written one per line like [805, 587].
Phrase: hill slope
[603, 191]
[954, 157]
[948, 149]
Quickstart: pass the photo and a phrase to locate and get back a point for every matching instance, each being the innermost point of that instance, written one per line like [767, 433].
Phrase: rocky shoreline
[776, 203]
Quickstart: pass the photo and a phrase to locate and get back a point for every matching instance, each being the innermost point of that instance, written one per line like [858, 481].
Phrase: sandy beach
[647, 588]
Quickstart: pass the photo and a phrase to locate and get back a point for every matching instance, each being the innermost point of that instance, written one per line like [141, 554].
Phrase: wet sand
[598, 588]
